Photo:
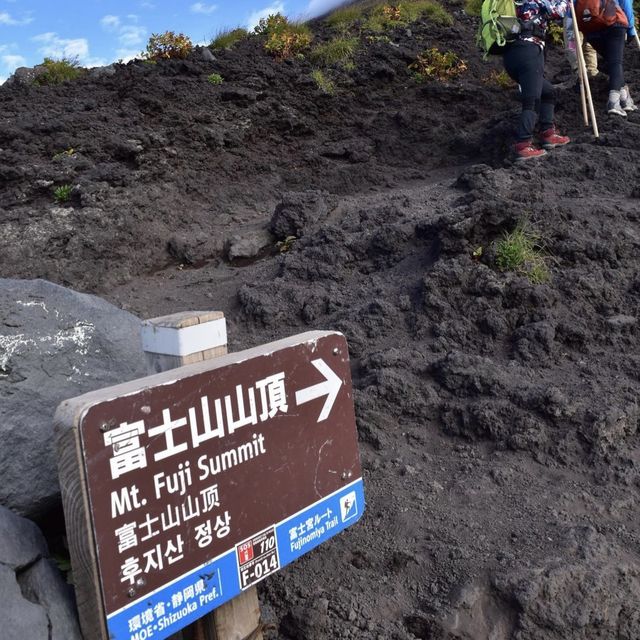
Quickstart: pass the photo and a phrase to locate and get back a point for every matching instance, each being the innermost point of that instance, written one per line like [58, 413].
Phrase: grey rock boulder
[43, 583]
[25, 76]
[248, 245]
[102, 72]
[20, 618]
[300, 211]
[21, 542]
[36, 601]
[55, 344]
[205, 54]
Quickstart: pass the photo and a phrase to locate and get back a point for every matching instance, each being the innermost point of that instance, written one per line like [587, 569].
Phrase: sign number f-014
[201, 481]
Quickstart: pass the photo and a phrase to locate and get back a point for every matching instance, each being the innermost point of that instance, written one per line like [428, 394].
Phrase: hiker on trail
[574, 38]
[606, 26]
[524, 62]
[590, 57]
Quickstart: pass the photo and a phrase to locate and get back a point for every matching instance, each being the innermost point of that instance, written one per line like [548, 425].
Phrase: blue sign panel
[164, 612]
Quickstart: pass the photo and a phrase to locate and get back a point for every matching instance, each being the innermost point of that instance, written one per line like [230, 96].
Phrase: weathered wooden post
[174, 341]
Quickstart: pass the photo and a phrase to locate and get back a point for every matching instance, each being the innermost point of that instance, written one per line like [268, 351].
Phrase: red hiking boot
[526, 151]
[550, 139]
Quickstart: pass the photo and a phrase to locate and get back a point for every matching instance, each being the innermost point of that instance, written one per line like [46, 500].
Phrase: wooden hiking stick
[583, 74]
[583, 98]
[638, 40]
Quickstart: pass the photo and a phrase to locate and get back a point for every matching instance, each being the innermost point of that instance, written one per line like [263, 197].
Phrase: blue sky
[98, 32]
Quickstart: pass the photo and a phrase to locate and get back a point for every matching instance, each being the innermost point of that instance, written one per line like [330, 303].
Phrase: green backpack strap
[498, 23]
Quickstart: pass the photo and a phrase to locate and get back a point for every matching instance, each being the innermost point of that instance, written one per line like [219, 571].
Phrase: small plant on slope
[435, 13]
[430, 9]
[57, 71]
[473, 7]
[168, 45]
[322, 82]
[227, 38]
[500, 79]
[215, 78]
[387, 16]
[284, 39]
[555, 34]
[62, 194]
[344, 19]
[67, 153]
[521, 251]
[434, 64]
[338, 50]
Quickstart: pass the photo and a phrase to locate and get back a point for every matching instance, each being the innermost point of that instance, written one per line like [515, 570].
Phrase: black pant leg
[609, 43]
[547, 105]
[524, 62]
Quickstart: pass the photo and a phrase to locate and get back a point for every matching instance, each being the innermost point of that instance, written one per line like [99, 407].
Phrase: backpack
[595, 15]
[498, 26]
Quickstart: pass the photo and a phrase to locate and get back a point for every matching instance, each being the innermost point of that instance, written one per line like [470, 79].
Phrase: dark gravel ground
[498, 418]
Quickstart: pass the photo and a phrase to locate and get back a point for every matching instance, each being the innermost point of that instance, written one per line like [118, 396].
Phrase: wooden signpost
[185, 489]
[174, 341]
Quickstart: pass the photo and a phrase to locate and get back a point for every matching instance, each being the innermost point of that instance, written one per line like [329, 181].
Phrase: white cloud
[7, 19]
[256, 16]
[12, 62]
[200, 7]
[3, 79]
[52, 46]
[131, 35]
[318, 7]
[95, 62]
[126, 55]
[110, 23]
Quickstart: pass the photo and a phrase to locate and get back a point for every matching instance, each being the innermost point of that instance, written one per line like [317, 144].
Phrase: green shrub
[343, 19]
[383, 17]
[500, 79]
[215, 78]
[284, 39]
[168, 45]
[286, 244]
[323, 83]
[436, 13]
[61, 155]
[62, 194]
[334, 51]
[434, 64]
[58, 71]
[473, 7]
[378, 38]
[388, 16]
[555, 34]
[271, 24]
[227, 38]
[521, 251]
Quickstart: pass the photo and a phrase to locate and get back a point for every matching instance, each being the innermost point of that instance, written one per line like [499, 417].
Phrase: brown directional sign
[203, 480]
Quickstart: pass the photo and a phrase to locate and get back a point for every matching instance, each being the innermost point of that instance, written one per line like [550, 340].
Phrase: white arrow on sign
[329, 388]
